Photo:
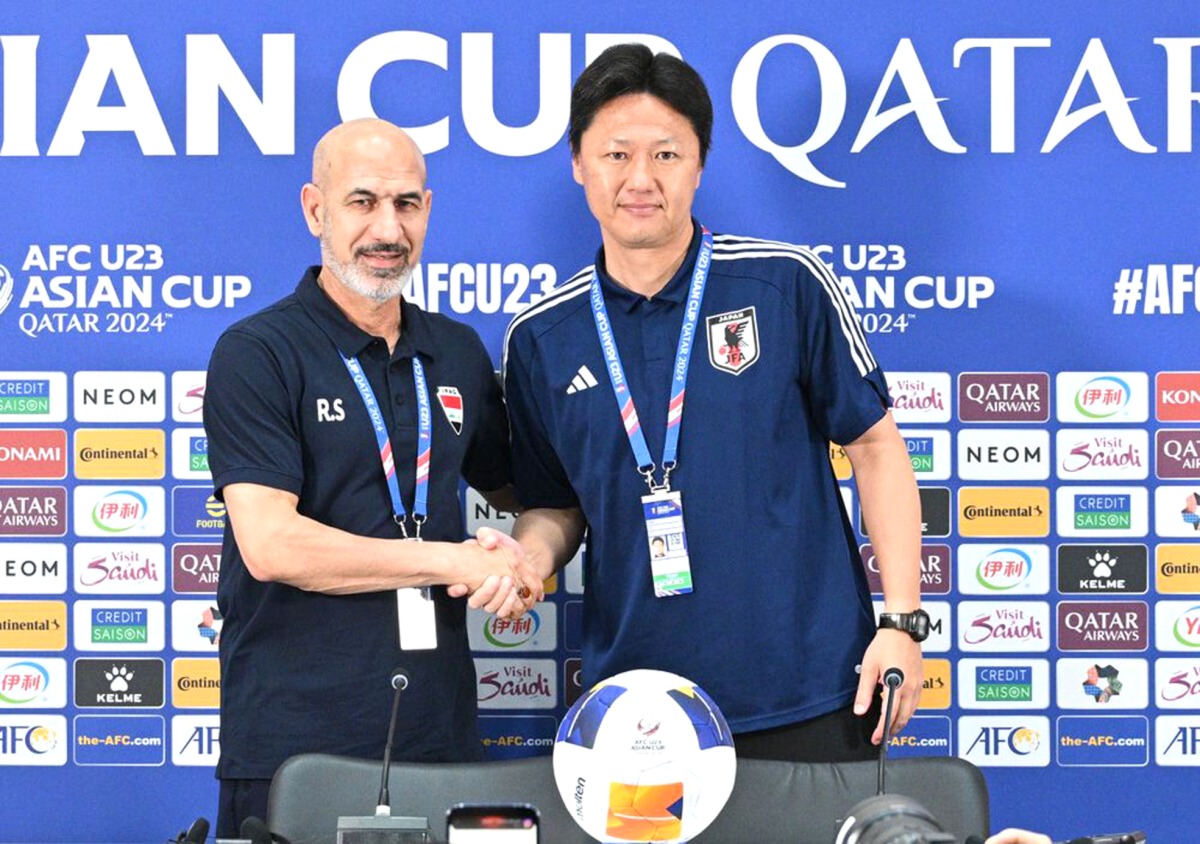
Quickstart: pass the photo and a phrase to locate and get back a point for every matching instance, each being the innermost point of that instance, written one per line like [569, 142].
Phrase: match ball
[644, 756]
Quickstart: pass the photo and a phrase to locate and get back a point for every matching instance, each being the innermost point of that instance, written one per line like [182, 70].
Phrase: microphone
[383, 806]
[382, 828]
[893, 678]
[255, 831]
[195, 834]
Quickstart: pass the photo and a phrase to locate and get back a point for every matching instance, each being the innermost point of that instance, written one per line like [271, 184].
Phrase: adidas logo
[583, 380]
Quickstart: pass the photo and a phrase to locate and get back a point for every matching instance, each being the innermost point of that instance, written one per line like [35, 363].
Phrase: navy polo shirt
[780, 614]
[307, 672]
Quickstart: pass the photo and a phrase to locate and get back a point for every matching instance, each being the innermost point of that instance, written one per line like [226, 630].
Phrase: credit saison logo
[1102, 511]
[112, 288]
[212, 72]
[119, 626]
[1007, 683]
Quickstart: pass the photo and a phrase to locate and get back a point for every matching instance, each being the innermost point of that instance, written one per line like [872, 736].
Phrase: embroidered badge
[733, 340]
[452, 405]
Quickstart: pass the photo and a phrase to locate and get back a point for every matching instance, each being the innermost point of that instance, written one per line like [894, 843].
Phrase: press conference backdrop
[1008, 192]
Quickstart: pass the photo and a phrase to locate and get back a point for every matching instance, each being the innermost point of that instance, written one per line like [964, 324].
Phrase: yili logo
[512, 632]
[1004, 569]
[23, 682]
[1103, 397]
[1187, 627]
[120, 511]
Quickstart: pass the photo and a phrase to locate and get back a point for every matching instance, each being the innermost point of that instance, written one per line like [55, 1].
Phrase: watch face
[918, 625]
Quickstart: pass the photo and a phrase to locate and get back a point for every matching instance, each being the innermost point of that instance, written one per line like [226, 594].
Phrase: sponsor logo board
[1002, 397]
[120, 454]
[120, 397]
[1108, 568]
[1003, 511]
[1105, 511]
[986, 454]
[117, 683]
[125, 740]
[1008, 683]
[1102, 683]
[118, 626]
[33, 682]
[1005, 740]
[1102, 397]
[119, 568]
[33, 568]
[516, 683]
[1003, 569]
[1102, 454]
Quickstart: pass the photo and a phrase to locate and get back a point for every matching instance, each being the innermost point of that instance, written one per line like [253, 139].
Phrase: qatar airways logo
[915, 83]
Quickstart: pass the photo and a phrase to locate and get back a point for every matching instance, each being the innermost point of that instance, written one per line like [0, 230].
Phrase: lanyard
[683, 354]
[424, 443]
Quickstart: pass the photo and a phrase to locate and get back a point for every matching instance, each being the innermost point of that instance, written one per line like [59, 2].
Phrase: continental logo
[33, 625]
[1177, 569]
[195, 683]
[33, 454]
[935, 690]
[841, 463]
[124, 454]
[1004, 511]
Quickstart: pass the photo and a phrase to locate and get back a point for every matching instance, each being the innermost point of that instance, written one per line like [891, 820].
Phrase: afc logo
[204, 741]
[330, 411]
[992, 741]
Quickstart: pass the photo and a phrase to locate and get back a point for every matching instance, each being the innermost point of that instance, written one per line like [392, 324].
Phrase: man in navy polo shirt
[759, 595]
[340, 420]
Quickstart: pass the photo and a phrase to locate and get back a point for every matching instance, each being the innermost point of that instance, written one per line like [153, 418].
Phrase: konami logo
[1177, 396]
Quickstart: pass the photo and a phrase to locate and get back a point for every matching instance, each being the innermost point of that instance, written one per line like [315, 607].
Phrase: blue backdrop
[1008, 192]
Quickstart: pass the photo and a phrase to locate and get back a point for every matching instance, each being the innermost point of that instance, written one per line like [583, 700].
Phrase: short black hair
[635, 69]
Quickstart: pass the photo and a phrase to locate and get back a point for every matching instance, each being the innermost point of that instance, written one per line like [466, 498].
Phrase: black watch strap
[915, 623]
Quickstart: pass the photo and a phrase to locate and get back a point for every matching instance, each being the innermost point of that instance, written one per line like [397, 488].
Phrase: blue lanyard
[424, 443]
[683, 354]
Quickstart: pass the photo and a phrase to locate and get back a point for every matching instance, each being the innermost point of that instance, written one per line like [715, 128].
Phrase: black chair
[772, 802]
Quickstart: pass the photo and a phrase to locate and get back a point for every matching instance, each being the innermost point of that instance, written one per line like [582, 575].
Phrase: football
[644, 756]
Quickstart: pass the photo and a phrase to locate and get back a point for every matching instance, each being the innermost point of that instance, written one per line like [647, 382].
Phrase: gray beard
[376, 285]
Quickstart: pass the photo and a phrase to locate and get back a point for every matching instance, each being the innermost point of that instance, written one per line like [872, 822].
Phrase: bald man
[340, 420]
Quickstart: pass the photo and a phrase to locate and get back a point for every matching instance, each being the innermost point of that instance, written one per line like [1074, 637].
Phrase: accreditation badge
[669, 565]
[418, 620]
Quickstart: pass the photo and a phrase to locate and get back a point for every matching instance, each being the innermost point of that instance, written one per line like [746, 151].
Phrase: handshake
[504, 580]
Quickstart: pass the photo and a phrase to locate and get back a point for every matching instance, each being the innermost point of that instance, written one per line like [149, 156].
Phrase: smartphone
[492, 823]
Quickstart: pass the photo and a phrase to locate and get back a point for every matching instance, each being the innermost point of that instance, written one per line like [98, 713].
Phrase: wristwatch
[915, 623]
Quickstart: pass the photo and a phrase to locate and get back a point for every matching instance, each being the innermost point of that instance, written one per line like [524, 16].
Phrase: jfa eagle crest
[732, 340]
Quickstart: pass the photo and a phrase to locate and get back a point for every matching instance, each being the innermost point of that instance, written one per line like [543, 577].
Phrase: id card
[418, 621]
[669, 565]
